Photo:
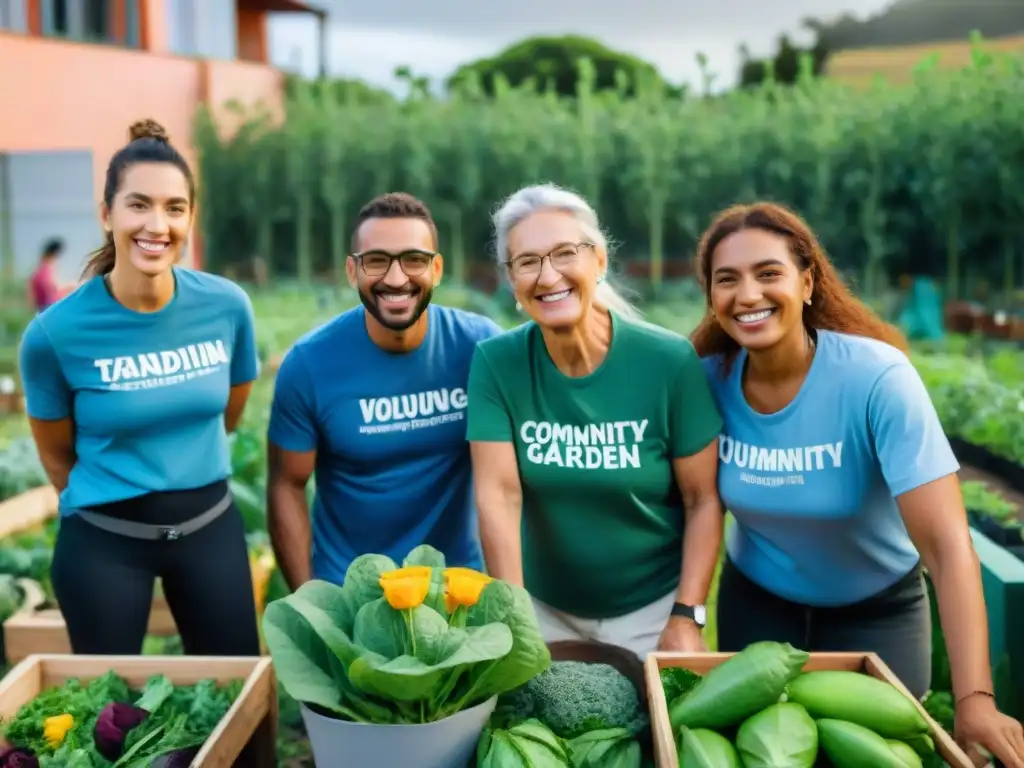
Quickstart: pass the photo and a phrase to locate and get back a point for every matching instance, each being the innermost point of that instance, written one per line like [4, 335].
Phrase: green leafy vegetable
[574, 697]
[181, 716]
[605, 748]
[529, 744]
[678, 681]
[780, 736]
[404, 645]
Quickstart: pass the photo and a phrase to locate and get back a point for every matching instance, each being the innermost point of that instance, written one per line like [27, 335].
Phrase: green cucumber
[739, 687]
[858, 698]
[849, 745]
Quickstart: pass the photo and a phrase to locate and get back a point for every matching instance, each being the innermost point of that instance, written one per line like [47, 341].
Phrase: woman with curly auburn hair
[834, 465]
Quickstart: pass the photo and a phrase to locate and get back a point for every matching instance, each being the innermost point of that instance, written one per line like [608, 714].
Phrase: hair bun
[147, 129]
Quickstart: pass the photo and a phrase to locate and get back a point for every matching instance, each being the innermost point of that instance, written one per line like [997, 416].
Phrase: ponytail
[100, 261]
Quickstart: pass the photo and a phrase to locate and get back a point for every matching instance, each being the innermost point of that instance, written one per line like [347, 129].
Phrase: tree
[552, 62]
[908, 22]
[346, 90]
[785, 64]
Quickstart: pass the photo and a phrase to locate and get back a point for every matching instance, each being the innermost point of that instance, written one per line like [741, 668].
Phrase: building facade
[74, 74]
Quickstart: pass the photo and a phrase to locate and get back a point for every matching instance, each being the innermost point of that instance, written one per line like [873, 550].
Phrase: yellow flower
[463, 586]
[406, 588]
[55, 728]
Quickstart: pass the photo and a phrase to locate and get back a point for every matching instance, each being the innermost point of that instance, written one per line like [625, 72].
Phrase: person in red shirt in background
[43, 287]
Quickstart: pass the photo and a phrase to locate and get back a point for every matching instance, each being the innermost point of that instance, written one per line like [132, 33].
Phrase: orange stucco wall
[67, 95]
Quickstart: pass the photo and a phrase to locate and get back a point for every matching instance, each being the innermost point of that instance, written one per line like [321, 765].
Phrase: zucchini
[922, 744]
[701, 748]
[905, 753]
[739, 687]
[849, 745]
[780, 736]
[858, 698]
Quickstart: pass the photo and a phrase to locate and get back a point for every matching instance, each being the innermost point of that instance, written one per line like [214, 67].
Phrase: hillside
[909, 22]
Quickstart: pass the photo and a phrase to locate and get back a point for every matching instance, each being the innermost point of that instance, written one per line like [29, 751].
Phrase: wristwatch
[696, 613]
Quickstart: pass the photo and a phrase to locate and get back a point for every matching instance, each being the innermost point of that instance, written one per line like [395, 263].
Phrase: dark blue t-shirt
[393, 468]
[147, 390]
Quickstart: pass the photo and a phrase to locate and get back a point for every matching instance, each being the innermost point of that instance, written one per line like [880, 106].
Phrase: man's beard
[370, 302]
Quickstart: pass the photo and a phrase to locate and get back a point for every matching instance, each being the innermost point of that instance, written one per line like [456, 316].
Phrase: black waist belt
[149, 532]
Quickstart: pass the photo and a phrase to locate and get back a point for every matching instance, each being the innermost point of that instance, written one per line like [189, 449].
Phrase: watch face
[700, 614]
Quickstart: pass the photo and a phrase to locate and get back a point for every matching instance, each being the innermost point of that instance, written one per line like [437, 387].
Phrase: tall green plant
[911, 179]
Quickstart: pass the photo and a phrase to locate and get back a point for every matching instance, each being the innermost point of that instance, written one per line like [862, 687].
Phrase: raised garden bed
[243, 737]
[11, 403]
[44, 630]
[27, 510]
[995, 515]
[666, 740]
[982, 458]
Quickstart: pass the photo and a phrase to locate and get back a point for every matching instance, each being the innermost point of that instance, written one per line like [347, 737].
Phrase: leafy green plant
[896, 179]
[978, 497]
[404, 646]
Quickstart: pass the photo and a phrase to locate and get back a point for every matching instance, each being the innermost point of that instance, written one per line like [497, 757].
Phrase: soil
[996, 484]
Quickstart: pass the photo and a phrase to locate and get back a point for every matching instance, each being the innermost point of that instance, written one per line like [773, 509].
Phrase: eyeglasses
[378, 263]
[561, 258]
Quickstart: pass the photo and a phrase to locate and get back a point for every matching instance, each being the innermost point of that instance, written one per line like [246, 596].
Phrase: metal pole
[322, 25]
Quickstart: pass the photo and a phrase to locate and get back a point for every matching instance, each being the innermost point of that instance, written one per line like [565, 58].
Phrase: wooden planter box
[665, 750]
[44, 631]
[245, 737]
[27, 510]
[12, 403]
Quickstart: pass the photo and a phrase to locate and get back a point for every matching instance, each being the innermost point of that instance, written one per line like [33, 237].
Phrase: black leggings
[104, 581]
[896, 624]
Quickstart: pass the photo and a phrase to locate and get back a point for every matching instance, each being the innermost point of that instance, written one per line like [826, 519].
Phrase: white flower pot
[448, 743]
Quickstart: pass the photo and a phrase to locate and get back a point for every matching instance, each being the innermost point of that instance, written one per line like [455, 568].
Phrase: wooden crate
[27, 510]
[44, 631]
[246, 735]
[665, 751]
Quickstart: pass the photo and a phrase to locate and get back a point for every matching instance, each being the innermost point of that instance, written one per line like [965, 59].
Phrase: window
[88, 20]
[14, 15]
[132, 24]
[97, 21]
[55, 18]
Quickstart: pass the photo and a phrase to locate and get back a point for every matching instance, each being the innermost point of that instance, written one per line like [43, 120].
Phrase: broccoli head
[574, 697]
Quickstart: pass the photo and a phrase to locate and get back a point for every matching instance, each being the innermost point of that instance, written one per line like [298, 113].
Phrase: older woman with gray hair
[594, 442]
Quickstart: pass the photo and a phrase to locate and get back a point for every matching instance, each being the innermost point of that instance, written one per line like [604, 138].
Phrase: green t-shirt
[603, 517]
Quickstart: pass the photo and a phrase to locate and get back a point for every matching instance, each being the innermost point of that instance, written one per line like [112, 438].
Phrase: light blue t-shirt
[147, 391]
[392, 464]
[813, 486]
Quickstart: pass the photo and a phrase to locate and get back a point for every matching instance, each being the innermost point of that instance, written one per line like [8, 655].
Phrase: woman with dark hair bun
[841, 481]
[132, 383]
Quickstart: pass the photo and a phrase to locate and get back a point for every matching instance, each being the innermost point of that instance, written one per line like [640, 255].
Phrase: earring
[807, 302]
[519, 307]
[600, 279]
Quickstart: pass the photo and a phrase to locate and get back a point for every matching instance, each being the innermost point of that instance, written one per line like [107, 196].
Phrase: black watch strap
[689, 612]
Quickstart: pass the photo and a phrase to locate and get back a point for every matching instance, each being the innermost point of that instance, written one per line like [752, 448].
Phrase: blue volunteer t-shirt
[392, 467]
[813, 486]
[147, 391]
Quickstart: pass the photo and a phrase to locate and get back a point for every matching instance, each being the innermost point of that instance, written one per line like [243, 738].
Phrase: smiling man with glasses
[375, 402]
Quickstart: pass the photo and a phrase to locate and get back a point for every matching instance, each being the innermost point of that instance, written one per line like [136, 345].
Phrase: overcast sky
[369, 39]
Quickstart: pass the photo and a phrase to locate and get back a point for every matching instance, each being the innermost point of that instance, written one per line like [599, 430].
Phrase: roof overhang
[281, 6]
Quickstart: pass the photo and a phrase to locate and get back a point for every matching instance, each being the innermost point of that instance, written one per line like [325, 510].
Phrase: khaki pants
[637, 631]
